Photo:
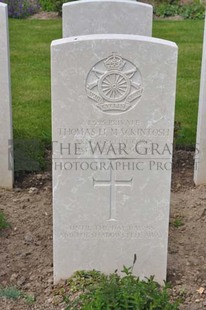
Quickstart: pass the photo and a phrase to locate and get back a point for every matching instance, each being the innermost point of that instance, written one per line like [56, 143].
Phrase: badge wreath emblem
[114, 84]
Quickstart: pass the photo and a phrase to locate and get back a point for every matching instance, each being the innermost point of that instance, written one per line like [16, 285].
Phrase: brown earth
[45, 15]
[26, 247]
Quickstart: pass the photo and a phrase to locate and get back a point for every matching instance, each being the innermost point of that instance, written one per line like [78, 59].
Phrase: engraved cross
[112, 183]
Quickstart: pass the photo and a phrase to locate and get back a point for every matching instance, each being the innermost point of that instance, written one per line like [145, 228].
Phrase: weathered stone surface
[107, 16]
[113, 100]
[200, 157]
[6, 161]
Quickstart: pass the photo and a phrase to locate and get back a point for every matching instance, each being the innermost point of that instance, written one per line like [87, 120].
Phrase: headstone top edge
[113, 37]
[3, 5]
[67, 4]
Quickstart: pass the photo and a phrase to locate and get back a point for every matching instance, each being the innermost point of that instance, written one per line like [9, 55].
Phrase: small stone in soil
[21, 281]
[33, 190]
[28, 238]
[17, 189]
[13, 277]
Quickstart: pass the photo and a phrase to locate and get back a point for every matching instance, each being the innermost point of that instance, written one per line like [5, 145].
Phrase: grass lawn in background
[188, 35]
[30, 72]
[31, 92]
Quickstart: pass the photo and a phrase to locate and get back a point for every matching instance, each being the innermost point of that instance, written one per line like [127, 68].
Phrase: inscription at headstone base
[112, 118]
[107, 16]
[6, 161]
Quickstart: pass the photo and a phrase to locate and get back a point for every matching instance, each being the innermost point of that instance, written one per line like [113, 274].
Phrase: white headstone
[113, 99]
[106, 16]
[6, 166]
[200, 157]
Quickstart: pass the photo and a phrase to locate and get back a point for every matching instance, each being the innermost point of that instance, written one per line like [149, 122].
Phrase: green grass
[31, 92]
[10, 293]
[14, 293]
[30, 72]
[30, 68]
[3, 222]
[177, 223]
[188, 35]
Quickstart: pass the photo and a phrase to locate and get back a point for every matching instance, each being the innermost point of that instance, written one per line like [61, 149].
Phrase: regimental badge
[114, 84]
